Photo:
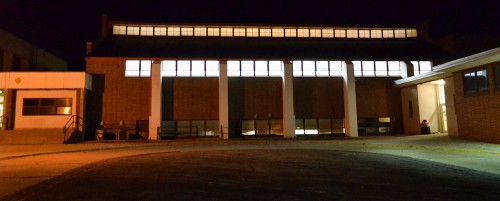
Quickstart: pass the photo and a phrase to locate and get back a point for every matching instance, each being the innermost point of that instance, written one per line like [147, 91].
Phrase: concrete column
[223, 100]
[155, 118]
[288, 110]
[350, 109]
[406, 68]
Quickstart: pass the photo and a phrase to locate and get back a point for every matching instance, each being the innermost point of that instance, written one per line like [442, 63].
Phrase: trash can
[425, 127]
[425, 130]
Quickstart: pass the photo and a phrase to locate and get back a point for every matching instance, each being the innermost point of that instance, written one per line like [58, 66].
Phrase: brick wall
[255, 95]
[478, 115]
[379, 97]
[195, 98]
[124, 98]
[318, 97]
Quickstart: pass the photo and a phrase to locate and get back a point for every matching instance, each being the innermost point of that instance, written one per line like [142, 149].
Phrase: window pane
[364, 33]
[376, 33]
[297, 68]
[233, 68]
[368, 68]
[470, 82]
[212, 68]
[119, 30]
[261, 68]
[303, 33]
[212, 127]
[160, 31]
[265, 32]
[327, 33]
[174, 31]
[133, 31]
[248, 127]
[381, 68]
[352, 33]
[278, 32]
[226, 32]
[198, 68]
[388, 33]
[315, 33]
[30, 110]
[30, 102]
[325, 126]
[290, 32]
[47, 110]
[64, 102]
[400, 33]
[183, 68]
[247, 68]
[253, 32]
[425, 66]
[482, 80]
[335, 68]
[311, 126]
[357, 68]
[63, 110]
[275, 68]
[47, 102]
[496, 70]
[411, 33]
[168, 68]
[200, 31]
[213, 31]
[322, 68]
[240, 32]
[340, 33]
[187, 31]
[309, 68]
[132, 65]
[147, 31]
[146, 65]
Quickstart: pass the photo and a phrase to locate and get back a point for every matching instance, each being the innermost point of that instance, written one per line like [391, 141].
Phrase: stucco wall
[428, 105]
[43, 121]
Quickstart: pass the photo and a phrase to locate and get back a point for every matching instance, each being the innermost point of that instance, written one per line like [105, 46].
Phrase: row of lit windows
[264, 68]
[277, 32]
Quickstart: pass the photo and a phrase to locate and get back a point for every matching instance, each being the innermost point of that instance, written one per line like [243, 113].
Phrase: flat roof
[446, 69]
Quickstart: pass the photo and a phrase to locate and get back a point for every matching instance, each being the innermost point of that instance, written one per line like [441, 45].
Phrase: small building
[460, 97]
[28, 73]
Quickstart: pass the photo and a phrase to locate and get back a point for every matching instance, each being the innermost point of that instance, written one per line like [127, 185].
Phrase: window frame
[41, 104]
[476, 89]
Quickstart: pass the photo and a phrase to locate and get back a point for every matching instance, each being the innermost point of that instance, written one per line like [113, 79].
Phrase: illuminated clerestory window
[420, 67]
[138, 68]
[190, 68]
[240, 31]
[317, 68]
[257, 68]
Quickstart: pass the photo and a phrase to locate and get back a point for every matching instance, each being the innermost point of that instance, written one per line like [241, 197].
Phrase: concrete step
[32, 136]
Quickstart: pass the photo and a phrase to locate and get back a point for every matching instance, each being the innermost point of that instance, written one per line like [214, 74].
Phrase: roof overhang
[447, 69]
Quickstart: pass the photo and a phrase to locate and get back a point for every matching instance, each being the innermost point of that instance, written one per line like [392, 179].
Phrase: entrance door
[443, 120]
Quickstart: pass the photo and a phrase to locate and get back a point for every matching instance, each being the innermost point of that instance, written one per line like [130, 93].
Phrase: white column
[406, 69]
[350, 109]
[288, 110]
[155, 118]
[223, 100]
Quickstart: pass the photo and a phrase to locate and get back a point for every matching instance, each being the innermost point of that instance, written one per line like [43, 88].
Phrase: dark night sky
[63, 26]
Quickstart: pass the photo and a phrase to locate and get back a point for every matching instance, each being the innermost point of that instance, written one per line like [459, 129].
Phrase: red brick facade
[125, 98]
[478, 115]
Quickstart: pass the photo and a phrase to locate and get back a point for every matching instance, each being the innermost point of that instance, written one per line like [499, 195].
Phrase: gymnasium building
[242, 80]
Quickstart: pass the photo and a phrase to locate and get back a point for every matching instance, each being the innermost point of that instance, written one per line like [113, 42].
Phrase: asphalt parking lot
[381, 168]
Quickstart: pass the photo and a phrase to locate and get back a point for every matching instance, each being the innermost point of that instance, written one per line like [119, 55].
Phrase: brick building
[253, 80]
[470, 100]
